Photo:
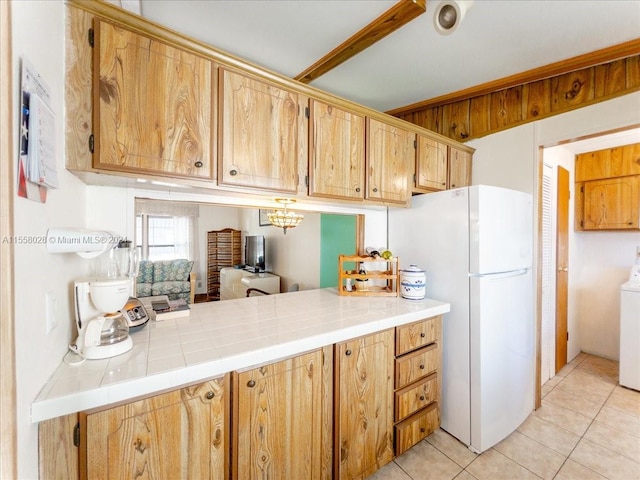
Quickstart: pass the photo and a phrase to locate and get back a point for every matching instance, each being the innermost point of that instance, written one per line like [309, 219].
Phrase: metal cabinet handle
[233, 172]
[209, 395]
[375, 189]
[251, 383]
[422, 334]
[421, 367]
[358, 189]
[422, 398]
[198, 164]
[347, 353]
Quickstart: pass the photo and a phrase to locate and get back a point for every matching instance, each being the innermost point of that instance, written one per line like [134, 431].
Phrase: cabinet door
[390, 161]
[152, 105]
[459, 168]
[364, 408]
[258, 134]
[611, 204]
[278, 412]
[431, 164]
[180, 434]
[336, 155]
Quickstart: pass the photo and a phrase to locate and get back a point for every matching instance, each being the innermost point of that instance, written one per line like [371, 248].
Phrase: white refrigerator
[476, 245]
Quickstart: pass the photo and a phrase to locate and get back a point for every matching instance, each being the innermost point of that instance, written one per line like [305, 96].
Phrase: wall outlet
[51, 311]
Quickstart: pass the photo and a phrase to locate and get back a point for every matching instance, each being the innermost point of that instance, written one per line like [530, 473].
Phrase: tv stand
[234, 283]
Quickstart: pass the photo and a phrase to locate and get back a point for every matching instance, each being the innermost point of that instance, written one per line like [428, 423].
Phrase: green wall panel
[337, 236]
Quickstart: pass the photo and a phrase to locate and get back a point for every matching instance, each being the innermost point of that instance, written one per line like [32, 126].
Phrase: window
[166, 230]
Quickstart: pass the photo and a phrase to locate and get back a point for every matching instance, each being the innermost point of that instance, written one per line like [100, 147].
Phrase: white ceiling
[496, 38]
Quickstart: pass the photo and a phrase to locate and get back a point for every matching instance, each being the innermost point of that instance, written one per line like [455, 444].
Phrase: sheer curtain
[185, 224]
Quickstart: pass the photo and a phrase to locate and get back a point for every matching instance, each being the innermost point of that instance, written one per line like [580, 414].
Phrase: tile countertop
[219, 337]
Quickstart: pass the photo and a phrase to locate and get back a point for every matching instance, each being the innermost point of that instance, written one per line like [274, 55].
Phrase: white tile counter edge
[335, 318]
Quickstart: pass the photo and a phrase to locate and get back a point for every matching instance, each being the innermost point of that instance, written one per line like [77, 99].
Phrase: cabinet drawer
[416, 365]
[417, 334]
[416, 396]
[416, 427]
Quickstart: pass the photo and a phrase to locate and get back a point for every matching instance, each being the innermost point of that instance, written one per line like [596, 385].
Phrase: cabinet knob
[251, 383]
[358, 189]
[422, 430]
[347, 353]
[375, 189]
[422, 398]
[233, 172]
[421, 367]
[453, 185]
[422, 334]
[199, 164]
[209, 395]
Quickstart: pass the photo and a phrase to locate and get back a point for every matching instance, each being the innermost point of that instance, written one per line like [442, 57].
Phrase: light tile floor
[588, 427]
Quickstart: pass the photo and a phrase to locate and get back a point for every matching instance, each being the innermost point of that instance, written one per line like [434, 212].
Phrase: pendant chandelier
[283, 218]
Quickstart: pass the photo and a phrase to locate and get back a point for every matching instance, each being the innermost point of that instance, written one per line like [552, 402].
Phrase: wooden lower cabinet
[280, 413]
[341, 412]
[417, 381]
[179, 434]
[363, 411]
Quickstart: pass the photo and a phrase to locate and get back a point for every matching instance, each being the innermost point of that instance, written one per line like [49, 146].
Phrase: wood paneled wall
[473, 115]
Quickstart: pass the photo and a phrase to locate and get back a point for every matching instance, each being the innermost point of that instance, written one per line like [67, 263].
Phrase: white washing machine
[630, 333]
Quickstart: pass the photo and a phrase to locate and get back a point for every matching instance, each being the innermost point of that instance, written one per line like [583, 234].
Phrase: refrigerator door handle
[512, 273]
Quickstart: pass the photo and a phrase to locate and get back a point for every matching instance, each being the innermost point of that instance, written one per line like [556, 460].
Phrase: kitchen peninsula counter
[219, 337]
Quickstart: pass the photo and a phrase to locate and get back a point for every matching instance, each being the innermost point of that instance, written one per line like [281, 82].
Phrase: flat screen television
[254, 253]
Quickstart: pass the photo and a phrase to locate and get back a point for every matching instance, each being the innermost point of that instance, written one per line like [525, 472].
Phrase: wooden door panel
[179, 434]
[390, 161]
[611, 204]
[364, 418]
[431, 164]
[336, 160]
[280, 419]
[258, 134]
[562, 264]
[153, 105]
[459, 168]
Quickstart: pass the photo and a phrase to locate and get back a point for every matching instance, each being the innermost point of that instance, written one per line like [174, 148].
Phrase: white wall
[599, 261]
[38, 35]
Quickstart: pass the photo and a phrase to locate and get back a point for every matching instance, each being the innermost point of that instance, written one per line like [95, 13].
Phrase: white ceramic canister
[412, 282]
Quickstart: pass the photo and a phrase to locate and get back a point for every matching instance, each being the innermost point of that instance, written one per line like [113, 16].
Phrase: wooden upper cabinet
[459, 168]
[258, 136]
[152, 105]
[278, 417]
[431, 164]
[179, 434]
[608, 163]
[364, 405]
[336, 152]
[610, 204]
[390, 162]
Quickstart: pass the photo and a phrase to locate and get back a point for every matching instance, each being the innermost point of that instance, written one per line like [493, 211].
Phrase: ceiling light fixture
[449, 14]
[283, 218]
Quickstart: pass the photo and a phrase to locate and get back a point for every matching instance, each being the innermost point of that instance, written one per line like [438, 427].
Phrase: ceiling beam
[605, 55]
[401, 13]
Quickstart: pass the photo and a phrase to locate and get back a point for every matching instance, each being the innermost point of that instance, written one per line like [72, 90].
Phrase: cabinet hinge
[581, 188]
[307, 113]
[306, 180]
[581, 223]
[414, 178]
[91, 143]
[90, 37]
[76, 435]
[567, 336]
[415, 144]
